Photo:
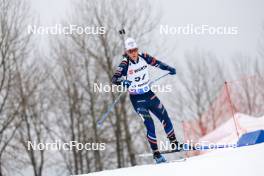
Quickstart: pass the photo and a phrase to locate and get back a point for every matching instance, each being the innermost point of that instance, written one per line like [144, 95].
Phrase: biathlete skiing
[134, 67]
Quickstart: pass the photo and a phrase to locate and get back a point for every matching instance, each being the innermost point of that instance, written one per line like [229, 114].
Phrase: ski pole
[102, 119]
[158, 78]
[122, 33]
[100, 122]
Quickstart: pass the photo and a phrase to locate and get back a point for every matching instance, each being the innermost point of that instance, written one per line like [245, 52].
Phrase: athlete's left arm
[156, 63]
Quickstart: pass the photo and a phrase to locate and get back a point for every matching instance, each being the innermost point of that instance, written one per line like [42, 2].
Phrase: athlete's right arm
[120, 71]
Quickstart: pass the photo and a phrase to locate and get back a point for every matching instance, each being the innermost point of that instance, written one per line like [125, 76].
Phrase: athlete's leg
[140, 107]
[151, 136]
[148, 121]
[161, 113]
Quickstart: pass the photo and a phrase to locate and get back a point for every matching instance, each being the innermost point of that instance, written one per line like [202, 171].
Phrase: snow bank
[243, 161]
[226, 133]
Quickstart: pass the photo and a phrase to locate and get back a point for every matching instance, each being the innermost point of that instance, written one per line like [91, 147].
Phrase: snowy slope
[243, 161]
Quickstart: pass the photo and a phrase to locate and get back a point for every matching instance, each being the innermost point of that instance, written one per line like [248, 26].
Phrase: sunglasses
[132, 50]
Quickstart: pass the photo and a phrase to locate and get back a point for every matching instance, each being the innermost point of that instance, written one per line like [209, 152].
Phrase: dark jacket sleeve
[120, 72]
[154, 62]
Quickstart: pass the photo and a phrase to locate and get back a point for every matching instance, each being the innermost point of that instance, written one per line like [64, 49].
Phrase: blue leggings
[146, 102]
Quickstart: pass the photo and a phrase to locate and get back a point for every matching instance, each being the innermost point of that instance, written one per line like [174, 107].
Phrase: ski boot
[158, 157]
[175, 145]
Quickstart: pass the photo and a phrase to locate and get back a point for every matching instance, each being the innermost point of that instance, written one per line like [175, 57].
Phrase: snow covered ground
[243, 161]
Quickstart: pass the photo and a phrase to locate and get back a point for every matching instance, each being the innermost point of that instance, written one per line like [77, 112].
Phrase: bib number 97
[139, 78]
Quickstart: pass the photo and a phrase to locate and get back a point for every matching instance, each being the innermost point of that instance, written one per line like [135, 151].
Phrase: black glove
[126, 83]
[171, 70]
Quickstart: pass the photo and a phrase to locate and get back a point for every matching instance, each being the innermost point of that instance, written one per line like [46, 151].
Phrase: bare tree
[247, 87]
[109, 46]
[201, 82]
[72, 122]
[13, 45]
[32, 112]
[83, 60]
